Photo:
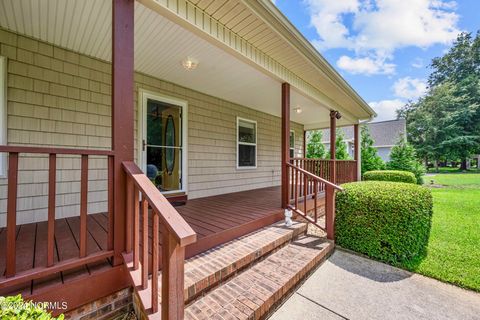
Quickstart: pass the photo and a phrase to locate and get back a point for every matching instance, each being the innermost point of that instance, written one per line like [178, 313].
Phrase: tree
[315, 147]
[341, 152]
[403, 157]
[446, 122]
[368, 154]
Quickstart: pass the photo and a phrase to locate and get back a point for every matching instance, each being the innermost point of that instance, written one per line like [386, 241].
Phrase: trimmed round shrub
[390, 175]
[388, 221]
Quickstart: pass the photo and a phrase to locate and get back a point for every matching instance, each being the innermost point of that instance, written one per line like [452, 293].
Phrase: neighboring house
[112, 110]
[385, 135]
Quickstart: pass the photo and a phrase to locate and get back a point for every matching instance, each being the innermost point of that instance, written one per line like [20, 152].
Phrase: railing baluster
[136, 229]
[83, 205]
[11, 214]
[315, 195]
[52, 173]
[110, 203]
[296, 188]
[129, 216]
[155, 264]
[305, 179]
[144, 243]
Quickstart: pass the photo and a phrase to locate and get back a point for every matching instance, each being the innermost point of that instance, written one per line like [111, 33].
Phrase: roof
[238, 37]
[384, 133]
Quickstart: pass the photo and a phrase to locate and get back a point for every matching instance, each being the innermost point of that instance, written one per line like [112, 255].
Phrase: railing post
[11, 215]
[52, 171]
[356, 152]
[330, 212]
[173, 257]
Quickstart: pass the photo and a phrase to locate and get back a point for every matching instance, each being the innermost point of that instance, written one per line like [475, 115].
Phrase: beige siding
[60, 98]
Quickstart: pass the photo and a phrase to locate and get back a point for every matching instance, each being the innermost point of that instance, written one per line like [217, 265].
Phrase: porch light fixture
[297, 110]
[190, 63]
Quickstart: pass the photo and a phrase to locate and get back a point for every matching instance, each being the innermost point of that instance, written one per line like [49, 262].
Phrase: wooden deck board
[216, 220]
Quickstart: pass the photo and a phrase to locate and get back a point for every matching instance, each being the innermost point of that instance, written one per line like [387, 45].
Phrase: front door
[162, 143]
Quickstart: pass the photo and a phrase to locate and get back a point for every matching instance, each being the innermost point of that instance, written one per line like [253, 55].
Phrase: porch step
[206, 270]
[252, 293]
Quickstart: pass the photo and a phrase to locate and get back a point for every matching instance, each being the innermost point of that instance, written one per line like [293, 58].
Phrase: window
[292, 144]
[3, 114]
[246, 144]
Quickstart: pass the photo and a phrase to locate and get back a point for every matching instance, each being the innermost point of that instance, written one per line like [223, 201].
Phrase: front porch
[216, 220]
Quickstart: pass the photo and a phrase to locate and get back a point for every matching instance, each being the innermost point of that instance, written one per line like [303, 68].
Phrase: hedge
[14, 307]
[390, 175]
[388, 221]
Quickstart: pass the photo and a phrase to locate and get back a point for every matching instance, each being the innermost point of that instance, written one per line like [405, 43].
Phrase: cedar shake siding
[59, 98]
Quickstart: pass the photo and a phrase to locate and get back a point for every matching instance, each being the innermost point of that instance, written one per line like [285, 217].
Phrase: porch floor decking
[216, 219]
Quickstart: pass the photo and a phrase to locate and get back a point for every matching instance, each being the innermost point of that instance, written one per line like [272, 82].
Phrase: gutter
[305, 47]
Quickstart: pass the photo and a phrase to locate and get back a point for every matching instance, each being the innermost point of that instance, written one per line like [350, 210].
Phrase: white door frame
[143, 96]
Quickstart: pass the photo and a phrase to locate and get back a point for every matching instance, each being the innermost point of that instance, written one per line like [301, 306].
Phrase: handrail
[315, 177]
[51, 266]
[175, 223]
[306, 189]
[176, 233]
[50, 150]
[337, 160]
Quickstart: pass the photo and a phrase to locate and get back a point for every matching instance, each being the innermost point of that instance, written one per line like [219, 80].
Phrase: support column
[285, 141]
[333, 136]
[304, 155]
[122, 113]
[357, 153]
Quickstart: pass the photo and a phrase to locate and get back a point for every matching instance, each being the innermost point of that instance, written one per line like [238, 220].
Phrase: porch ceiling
[160, 46]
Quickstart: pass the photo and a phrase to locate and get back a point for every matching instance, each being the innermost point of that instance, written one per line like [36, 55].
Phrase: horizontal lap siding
[60, 98]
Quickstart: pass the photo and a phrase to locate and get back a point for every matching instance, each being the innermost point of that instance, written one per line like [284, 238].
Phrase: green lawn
[454, 245]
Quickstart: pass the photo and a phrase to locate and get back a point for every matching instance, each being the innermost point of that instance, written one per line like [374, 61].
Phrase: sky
[383, 48]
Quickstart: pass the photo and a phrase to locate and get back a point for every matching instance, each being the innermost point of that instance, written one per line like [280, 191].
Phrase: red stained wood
[136, 230]
[144, 243]
[110, 203]
[155, 264]
[173, 256]
[52, 181]
[11, 214]
[129, 216]
[168, 215]
[356, 150]
[83, 206]
[333, 136]
[285, 141]
[48, 150]
[123, 12]
[330, 212]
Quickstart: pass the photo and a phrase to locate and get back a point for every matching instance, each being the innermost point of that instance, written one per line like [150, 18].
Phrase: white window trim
[3, 115]
[292, 148]
[247, 144]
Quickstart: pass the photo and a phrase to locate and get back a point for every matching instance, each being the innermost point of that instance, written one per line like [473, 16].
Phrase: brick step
[208, 269]
[252, 293]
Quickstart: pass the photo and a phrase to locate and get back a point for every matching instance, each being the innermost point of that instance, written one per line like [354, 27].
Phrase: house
[114, 112]
[385, 135]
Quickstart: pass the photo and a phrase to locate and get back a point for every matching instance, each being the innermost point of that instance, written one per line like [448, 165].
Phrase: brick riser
[253, 293]
[215, 266]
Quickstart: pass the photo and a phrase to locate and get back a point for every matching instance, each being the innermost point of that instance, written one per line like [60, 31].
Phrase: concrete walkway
[347, 286]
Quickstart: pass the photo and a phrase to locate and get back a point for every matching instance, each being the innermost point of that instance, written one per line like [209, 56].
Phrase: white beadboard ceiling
[160, 46]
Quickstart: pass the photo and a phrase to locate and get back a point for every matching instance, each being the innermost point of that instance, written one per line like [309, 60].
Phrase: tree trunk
[436, 166]
[463, 166]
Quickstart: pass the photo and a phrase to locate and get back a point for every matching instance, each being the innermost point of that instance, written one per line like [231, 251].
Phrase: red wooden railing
[11, 276]
[176, 234]
[307, 194]
[346, 170]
